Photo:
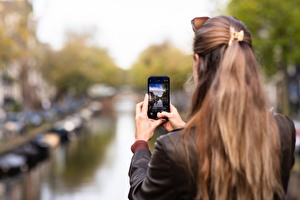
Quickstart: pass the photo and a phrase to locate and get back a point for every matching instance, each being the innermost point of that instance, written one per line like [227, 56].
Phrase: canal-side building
[20, 81]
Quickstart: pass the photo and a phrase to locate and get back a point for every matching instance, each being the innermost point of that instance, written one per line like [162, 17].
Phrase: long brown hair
[238, 141]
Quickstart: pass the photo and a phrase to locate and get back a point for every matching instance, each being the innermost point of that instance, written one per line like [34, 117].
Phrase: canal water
[94, 165]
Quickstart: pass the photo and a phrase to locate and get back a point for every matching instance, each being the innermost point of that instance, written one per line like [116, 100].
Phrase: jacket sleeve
[151, 176]
[287, 137]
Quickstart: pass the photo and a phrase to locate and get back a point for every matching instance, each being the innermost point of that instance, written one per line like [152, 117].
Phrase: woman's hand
[145, 127]
[174, 119]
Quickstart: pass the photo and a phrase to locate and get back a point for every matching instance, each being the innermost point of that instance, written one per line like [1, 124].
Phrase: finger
[164, 114]
[138, 107]
[145, 104]
[172, 107]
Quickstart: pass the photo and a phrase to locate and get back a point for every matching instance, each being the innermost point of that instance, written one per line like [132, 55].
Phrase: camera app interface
[158, 97]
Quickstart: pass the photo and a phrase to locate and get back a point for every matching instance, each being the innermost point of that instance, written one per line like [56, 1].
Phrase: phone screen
[158, 95]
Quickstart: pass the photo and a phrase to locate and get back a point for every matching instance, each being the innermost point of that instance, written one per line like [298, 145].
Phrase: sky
[124, 27]
[157, 89]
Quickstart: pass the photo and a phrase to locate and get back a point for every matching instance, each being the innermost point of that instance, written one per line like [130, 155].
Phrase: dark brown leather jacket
[164, 175]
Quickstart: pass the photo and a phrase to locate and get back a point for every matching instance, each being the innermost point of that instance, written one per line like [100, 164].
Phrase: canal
[94, 165]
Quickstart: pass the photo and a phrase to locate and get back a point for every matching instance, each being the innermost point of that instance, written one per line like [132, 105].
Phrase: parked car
[33, 118]
[14, 124]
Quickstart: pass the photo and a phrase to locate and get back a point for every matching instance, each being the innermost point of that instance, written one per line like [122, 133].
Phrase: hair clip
[234, 35]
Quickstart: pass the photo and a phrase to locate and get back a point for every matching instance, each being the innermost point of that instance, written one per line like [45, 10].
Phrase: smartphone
[158, 95]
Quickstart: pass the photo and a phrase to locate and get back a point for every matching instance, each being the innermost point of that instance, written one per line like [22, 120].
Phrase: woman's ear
[196, 65]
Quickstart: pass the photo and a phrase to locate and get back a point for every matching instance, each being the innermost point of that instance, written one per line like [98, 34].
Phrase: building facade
[20, 81]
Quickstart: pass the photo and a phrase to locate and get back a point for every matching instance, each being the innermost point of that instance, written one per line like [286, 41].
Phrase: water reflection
[95, 166]
[115, 171]
[73, 167]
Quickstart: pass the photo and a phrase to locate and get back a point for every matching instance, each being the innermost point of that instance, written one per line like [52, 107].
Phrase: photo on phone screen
[158, 95]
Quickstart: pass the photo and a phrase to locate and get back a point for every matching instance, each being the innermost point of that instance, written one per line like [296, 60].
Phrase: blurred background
[71, 72]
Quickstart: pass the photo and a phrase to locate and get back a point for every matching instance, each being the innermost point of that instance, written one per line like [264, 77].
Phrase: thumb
[164, 114]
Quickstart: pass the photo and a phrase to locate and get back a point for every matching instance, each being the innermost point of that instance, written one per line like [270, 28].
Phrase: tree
[78, 65]
[162, 59]
[8, 48]
[275, 30]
